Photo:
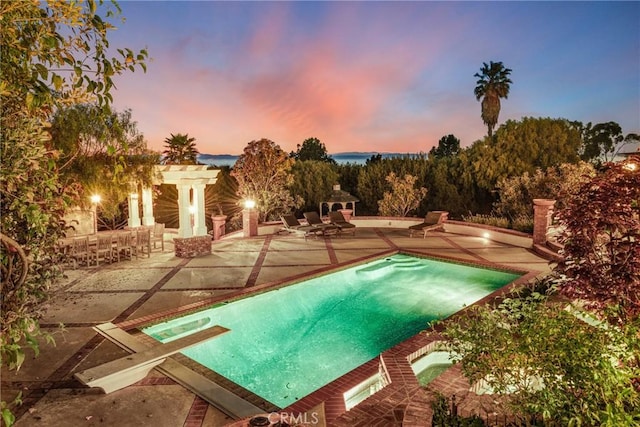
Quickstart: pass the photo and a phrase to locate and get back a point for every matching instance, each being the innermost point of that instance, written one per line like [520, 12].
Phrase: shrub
[522, 223]
[490, 219]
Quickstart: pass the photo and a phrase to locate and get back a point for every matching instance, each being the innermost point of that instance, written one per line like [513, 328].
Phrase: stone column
[250, 222]
[134, 213]
[147, 207]
[184, 214]
[542, 211]
[199, 225]
[219, 222]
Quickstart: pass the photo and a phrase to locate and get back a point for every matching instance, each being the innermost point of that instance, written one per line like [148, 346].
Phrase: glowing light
[631, 166]
[95, 199]
[486, 235]
[249, 204]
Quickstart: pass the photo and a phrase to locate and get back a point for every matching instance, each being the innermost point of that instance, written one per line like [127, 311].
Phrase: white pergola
[191, 181]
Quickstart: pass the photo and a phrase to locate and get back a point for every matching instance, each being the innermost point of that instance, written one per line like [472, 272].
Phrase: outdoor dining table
[66, 245]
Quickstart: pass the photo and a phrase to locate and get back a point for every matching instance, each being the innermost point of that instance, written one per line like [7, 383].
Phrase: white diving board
[129, 369]
[216, 395]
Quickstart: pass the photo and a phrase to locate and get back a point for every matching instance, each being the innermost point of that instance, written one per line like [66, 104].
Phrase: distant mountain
[355, 157]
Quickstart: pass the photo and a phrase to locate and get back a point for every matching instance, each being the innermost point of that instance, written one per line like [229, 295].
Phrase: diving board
[129, 369]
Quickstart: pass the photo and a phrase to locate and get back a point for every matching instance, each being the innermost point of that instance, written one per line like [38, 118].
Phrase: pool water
[286, 343]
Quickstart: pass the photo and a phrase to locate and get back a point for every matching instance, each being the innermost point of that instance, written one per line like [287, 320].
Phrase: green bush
[490, 219]
[522, 223]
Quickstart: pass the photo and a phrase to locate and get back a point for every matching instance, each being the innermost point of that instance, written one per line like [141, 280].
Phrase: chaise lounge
[338, 219]
[314, 219]
[432, 221]
[291, 224]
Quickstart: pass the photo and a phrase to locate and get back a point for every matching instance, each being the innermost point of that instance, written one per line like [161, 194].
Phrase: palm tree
[180, 150]
[493, 83]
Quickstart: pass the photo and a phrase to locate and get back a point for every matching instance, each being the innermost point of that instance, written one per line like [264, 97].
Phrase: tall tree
[51, 54]
[180, 149]
[263, 172]
[403, 197]
[493, 83]
[522, 146]
[603, 141]
[313, 182]
[312, 149]
[447, 146]
[102, 150]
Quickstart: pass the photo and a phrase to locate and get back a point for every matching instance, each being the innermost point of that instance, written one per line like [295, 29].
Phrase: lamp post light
[249, 219]
[95, 199]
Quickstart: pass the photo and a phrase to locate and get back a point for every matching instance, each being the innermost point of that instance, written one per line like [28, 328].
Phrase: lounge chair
[338, 219]
[432, 221]
[291, 224]
[314, 219]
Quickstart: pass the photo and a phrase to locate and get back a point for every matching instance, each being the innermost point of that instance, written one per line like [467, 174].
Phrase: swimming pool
[288, 342]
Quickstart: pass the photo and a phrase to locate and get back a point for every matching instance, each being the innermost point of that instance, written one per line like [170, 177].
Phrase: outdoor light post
[249, 219]
[95, 199]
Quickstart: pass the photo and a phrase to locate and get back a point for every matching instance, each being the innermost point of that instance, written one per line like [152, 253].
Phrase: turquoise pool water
[286, 343]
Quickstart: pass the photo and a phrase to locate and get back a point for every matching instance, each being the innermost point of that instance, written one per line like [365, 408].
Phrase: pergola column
[184, 211]
[199, 225]
[147, 207]
[134, 213]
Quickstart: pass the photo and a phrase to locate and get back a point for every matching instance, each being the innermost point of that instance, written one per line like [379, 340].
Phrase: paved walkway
[133, 289]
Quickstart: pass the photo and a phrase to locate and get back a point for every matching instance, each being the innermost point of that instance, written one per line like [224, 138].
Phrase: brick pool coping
[394, 364]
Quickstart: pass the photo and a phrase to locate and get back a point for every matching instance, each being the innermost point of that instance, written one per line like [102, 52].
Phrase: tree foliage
[493, 83]
[403, 198]
[102, 150]
[601, 239]
[550, 365]
[180, 149]
[313, 182]
[312, 149]
[516, 193]
[263, 172]
[57, 53]
[603, 141]
[523, 146]
[447, 146]
[372, 180]
[51, 55]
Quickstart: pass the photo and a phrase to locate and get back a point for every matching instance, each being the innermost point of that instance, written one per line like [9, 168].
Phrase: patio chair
[432, 221]
[80, 252]
[157, 235]
[338, 219]
[103, 248]
[123, 245]
[291, 224]
[142, 243]
[314, 219]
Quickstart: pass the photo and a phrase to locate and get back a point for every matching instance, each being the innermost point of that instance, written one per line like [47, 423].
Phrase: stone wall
[191, 247]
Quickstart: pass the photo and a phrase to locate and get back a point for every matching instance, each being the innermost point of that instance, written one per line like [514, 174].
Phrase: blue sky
[371, 76]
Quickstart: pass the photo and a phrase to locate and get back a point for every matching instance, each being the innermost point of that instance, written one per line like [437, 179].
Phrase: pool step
[389, 264]
[127, 370]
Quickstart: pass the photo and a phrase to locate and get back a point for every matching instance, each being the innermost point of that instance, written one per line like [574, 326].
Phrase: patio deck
[128, 290]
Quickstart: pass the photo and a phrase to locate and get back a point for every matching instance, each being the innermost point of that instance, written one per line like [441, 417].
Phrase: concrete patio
[133, 289]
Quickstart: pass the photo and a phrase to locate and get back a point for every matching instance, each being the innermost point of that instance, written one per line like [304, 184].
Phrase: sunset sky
[371, 76]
